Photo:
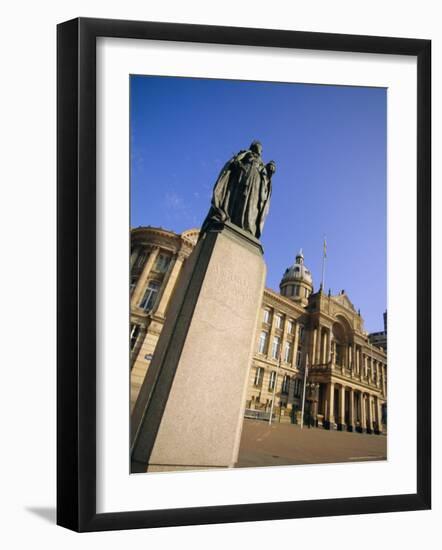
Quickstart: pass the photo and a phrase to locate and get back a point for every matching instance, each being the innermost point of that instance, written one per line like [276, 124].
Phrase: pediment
[344, 301]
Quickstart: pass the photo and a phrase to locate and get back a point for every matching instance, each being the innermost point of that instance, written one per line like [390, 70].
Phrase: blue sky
[329, 145]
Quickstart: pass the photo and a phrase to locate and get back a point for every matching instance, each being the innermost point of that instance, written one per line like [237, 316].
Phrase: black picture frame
[76, 273]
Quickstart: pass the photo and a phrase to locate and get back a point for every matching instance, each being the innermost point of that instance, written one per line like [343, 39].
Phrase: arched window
[150, 296]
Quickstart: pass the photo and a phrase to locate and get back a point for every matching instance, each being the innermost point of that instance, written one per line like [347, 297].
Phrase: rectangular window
[276, 344]
[133, 284]
[162, 263]
[272, 380]
[288, 352]
[150, 296]
[298, 359]
[301, 333]
[141, 259]
[134, 332]
[258, 376]
[285, 384]
[290, 326]
[262, 346]
[279, 321]
[266, 316]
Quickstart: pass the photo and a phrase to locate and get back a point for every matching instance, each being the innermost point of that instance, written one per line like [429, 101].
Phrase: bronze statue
[242, 192]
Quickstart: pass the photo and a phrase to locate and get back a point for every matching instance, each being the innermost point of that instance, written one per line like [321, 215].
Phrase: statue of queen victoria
[242, 192]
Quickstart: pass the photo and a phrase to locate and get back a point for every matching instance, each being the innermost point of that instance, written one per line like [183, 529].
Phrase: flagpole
[303, 393]
[324, 255]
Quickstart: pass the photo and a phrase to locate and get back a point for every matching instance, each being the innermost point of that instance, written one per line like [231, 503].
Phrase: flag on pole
[324, 256]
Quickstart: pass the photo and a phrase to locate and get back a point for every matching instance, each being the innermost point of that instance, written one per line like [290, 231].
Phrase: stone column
[141, 284]
[355, 359]
[327, 346]
[284, 339]
[324, 347]
[169, 283]
[370, 414]
[313, 346]
[341, 423]
[315, 405]
[333, 354]
[363, 411]
[189, 413]
[290, 391]
[330, 406]
[378, 416]
[319, 346]
[295, 344]
[272, 333]
[351, 404]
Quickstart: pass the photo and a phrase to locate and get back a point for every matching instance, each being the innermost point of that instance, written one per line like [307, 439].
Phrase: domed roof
[298, 272]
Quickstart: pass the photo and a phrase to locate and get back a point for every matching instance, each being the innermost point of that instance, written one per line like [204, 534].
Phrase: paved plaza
[284, 444]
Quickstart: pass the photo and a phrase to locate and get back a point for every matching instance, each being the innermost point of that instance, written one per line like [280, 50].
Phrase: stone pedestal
[189, 413]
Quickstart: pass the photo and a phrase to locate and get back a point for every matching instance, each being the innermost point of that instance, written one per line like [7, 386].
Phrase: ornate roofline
[273, 295]
[158, 236]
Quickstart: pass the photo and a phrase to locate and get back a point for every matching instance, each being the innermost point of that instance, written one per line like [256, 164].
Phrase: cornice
[284, 302]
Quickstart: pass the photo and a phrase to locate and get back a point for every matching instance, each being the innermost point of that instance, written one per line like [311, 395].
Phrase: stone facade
[346, 383]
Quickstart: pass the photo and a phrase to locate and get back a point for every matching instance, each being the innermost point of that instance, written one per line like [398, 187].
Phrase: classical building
[304, 337]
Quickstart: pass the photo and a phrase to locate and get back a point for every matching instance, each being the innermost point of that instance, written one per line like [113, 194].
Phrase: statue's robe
[241, 194]
[264, 202]
[246, 203]
[224, 191]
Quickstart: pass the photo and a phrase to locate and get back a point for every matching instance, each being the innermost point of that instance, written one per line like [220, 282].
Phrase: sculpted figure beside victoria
[242, 191]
